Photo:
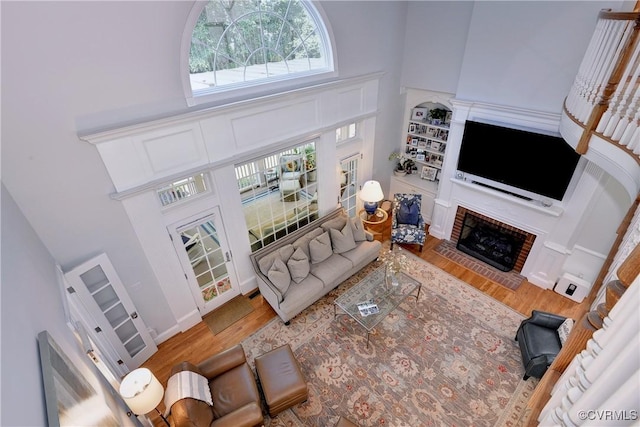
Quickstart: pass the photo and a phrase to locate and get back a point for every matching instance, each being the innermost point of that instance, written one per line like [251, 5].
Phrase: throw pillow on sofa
[320, 248]
[342, 240]
[357, 227]
[336, 223]
[408, 213]
[279, 275]
[298, 266]
[303, 242]
[284, 253]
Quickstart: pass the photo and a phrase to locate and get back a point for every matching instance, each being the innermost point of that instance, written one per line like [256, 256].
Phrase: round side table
[378, 218]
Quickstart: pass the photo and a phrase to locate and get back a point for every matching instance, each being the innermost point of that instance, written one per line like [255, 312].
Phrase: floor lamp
[142, 392]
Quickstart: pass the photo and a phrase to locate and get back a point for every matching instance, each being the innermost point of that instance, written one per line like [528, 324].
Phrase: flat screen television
[534, 162]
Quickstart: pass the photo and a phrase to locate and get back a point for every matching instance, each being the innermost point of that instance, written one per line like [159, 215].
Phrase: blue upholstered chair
[407, 224]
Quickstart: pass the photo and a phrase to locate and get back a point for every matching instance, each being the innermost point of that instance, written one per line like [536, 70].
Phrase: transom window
[345, 133]
[248, 42]
[182, 189]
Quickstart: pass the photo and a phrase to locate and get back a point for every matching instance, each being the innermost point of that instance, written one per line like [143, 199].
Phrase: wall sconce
[371, 194]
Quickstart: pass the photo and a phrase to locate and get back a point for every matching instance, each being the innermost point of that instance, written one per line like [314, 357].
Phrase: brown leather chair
[236, 400]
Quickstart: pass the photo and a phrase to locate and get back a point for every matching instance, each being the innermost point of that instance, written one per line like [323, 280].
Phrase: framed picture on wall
[75, 396]
[429, 173]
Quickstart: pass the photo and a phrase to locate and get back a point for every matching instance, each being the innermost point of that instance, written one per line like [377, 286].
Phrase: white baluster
[580, 85]
[621, 408]
[632, 105]
[619, 98]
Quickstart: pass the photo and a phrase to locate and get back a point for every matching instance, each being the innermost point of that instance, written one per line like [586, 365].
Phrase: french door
[349, 184]
[201, 245]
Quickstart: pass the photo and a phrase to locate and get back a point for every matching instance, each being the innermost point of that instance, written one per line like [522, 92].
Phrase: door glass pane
[207, 259]
[349, 185]
[106, 298]
[116, 315]
[126, 331]
[135, 345]
[94, 279]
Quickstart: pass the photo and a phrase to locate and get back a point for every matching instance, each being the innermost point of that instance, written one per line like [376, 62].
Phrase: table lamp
[142, 392]
[371, 194]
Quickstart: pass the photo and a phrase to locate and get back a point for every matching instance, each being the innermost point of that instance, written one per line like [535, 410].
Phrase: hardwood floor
[198, 343]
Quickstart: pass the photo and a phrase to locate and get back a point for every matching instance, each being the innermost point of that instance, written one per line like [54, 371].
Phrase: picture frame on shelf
[428, 173]
[422, 143]
[435, 145]
[420, 157]
[412, 128]
[414, 142]
[447, 117]
[419, 114]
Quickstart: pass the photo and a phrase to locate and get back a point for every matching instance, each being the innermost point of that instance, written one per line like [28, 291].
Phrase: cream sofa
[297, 270]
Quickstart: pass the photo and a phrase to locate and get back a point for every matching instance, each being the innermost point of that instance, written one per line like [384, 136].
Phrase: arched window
[240, 43]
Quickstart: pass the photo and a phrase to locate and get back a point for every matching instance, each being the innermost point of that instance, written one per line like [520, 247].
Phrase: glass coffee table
[370, 300]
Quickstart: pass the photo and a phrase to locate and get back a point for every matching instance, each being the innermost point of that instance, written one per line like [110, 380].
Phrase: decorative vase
[399, 173]
[392, 279]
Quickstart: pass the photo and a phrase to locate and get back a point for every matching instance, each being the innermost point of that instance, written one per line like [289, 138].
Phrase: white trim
[112, 132]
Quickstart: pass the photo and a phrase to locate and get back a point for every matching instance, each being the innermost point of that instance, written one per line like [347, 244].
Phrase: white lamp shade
[141, 390]
[371, 192]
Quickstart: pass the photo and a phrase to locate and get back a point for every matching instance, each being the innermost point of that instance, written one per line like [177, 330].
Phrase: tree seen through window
[235, 42]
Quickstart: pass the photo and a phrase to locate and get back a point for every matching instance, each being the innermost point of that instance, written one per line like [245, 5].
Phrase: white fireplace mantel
[555, 224]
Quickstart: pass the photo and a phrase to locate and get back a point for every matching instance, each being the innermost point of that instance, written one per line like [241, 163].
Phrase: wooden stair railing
[581, 333]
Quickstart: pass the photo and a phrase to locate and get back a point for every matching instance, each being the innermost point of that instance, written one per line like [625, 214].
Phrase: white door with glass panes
[111, 310]
[201, 245]
[349, 184]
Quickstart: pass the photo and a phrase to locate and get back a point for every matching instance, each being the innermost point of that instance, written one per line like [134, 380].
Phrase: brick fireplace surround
[526, 246]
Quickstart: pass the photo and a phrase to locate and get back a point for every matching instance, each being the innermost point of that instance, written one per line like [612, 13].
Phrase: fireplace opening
[497, 246]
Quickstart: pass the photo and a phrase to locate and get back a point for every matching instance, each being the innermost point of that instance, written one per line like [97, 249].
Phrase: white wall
[526, 53]
[435, 40]
[31, 303]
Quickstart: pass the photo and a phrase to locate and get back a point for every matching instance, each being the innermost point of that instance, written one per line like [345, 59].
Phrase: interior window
[345, 133]
[279, 193]
[182, 189]
[238, 43]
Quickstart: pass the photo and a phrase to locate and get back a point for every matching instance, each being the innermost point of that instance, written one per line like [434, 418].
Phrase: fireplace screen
[495, 245]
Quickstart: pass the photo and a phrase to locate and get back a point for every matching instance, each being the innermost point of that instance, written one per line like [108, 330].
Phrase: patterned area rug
[509, 279]
[447, 359]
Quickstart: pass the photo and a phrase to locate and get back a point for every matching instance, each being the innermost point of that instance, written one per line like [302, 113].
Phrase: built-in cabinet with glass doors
[112, 311]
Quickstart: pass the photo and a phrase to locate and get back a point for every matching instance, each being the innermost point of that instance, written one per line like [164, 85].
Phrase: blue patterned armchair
[407, 224]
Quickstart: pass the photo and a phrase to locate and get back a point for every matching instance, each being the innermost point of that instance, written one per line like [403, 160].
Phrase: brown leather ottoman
[281, 379]
[345, 422]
